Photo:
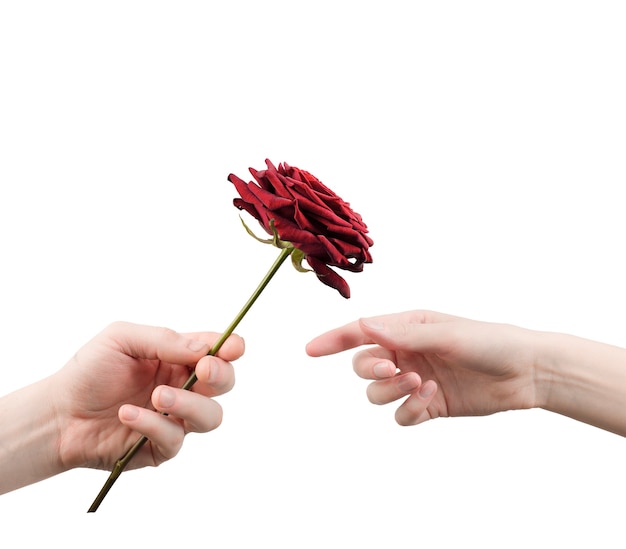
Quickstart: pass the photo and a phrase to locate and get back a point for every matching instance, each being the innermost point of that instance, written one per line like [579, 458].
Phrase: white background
[482, 142]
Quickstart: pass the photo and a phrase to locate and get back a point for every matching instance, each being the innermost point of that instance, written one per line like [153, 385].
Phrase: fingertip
[233, 348]
[414, 410]
[207, 369]
[163, 398]
[408, 382]
[384, 369]
[310, 349]
[216, 373]
[402, 420]
[128, 413]
[427, 390]
[218, 417]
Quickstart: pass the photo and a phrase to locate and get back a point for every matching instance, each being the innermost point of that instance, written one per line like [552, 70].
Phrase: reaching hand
[446, 365]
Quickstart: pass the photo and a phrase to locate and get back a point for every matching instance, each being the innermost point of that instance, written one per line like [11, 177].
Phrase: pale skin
[444, 366]
[116, 388]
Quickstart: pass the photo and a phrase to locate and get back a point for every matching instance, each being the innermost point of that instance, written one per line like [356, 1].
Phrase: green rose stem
[122, 462]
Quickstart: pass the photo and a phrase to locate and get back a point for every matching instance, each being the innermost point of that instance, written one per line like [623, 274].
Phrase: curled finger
[165, 433]
[215, 376]
[414, 410]
[390, 390]
[376, 363]
[198, 413]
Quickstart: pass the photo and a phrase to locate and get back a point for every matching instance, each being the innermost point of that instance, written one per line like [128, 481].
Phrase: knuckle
[214, 418]
[166, 333]
[209, 421]
[172, 445]
[403, 419]
[176, 442]
[373, 394]
[116, 326]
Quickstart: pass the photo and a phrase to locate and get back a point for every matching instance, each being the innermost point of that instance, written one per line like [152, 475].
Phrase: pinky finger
[414, 410]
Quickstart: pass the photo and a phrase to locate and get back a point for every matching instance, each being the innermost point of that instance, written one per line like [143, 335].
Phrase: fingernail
[213, 370]
[407, 383]
[382, 369]
[427, 390]
[196, 345]
[166, 397]
[373, 324]
[129, 413]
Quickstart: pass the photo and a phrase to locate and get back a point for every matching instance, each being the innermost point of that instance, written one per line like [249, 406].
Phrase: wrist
[29, 434]
[582, 379]
[547, 371]
[559, 374]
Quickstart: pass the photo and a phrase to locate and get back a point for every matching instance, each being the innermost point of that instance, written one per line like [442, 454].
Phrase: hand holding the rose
[88, 413]
[451, 366]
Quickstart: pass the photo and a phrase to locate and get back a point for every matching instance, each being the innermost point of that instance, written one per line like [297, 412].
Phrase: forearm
[584, 380]
[28, 437]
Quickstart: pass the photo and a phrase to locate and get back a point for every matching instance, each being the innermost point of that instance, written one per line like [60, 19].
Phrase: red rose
[309, 216]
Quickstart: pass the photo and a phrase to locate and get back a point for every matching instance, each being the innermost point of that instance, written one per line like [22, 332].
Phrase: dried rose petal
[310, 216]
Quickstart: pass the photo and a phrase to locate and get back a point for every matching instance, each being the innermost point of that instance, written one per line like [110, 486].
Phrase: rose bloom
[309, 216]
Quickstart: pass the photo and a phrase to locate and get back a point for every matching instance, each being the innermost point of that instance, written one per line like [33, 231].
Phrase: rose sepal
[297, 255]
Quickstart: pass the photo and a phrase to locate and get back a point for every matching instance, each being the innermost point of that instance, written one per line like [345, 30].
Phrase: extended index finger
[338, 340]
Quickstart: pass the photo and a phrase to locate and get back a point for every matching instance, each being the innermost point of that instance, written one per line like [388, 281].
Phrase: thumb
[152, 342]
[406, 336]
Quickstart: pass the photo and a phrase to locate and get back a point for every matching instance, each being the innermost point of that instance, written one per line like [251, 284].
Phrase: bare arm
[115, 388]
[451, 366]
